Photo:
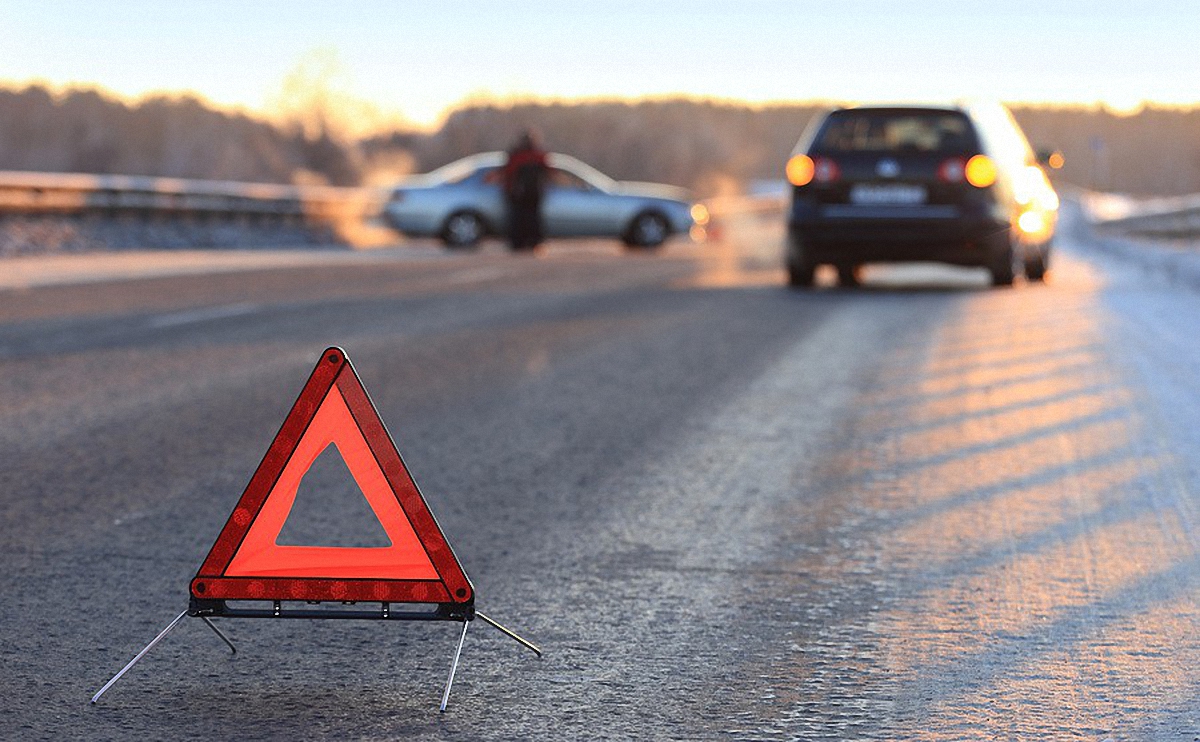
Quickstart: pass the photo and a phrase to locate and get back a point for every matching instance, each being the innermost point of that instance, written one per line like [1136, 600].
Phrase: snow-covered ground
[1175, 218]
[1105, 218]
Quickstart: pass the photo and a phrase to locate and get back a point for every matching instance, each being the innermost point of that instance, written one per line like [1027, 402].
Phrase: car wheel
[463, 229]
[647, 230]
[1035, 263]
[800, 271]
[1002, 255]
[801, 276]
[848, 275]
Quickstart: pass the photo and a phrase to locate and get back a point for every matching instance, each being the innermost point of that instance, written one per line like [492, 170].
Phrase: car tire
[1002, 256]
[848, 275]
[647, 230]
[800, 271]
[463, 229]
[1035, 263]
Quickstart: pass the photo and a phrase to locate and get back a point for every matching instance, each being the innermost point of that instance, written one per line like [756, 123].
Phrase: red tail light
[953, 170]
[825, 170]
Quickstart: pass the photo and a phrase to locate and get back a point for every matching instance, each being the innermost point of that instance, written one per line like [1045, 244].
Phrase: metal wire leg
[511, 634]
[220, 633]
[454, 666]
[140, 655]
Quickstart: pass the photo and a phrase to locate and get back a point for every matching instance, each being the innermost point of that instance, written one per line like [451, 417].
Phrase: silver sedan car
[462, 203]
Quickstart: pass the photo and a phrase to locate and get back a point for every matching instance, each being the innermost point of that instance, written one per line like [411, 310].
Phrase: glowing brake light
[699, 214]
[953, 170]
[826, 170]
[800, 170]
[980, 171]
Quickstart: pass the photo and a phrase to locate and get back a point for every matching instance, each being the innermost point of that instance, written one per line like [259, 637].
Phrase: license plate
[891, 195]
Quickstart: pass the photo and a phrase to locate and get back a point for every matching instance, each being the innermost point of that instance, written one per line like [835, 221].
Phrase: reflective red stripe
[253, 588]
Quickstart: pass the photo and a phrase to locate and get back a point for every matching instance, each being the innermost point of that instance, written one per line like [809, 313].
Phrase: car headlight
[1032, 222]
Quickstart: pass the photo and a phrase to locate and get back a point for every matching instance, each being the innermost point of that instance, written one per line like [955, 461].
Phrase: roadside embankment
[1126, 229]
[60, 233]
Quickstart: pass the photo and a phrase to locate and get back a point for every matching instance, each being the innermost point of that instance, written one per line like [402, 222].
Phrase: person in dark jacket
[525, 175]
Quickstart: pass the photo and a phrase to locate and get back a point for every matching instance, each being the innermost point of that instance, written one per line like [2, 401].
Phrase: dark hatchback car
[955, 185]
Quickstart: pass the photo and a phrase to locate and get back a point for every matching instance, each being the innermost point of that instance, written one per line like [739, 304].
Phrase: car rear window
[896, 131]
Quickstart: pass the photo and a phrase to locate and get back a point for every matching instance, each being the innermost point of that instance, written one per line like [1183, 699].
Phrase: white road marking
[31, 271]
[190, 316]
[477, 275]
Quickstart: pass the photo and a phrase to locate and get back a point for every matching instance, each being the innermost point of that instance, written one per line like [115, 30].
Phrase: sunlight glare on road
[1018, 471]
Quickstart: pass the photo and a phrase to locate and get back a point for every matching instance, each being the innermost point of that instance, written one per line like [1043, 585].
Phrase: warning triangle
[248, 563]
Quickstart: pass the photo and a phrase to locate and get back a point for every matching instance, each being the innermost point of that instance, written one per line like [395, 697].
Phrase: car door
[486, 195]
[575, 208]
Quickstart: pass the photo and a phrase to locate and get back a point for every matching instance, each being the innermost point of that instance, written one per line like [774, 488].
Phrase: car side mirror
[1050, 158]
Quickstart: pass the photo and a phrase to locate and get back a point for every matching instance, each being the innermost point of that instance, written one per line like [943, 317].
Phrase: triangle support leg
[139, 656]
[219, 633]
[454, 667]
[511, 634]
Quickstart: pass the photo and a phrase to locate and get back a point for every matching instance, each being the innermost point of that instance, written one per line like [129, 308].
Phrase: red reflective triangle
[246, 563]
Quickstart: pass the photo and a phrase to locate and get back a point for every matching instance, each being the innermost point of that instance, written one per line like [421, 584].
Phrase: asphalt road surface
[924, 509]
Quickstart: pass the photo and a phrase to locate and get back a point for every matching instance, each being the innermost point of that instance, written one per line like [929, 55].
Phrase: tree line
[85, 131]
[710, 146]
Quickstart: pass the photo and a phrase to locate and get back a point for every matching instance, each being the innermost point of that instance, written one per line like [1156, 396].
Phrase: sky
[417, 59]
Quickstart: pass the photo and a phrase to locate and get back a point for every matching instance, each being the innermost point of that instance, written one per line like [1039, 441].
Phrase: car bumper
[411, 224]
[850, 234]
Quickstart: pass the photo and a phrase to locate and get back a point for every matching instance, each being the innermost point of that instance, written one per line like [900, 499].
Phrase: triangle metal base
[205, 609]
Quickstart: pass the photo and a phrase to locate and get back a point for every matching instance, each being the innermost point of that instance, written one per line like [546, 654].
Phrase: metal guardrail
[34, 193]
[1175, 217]
[350, 213]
